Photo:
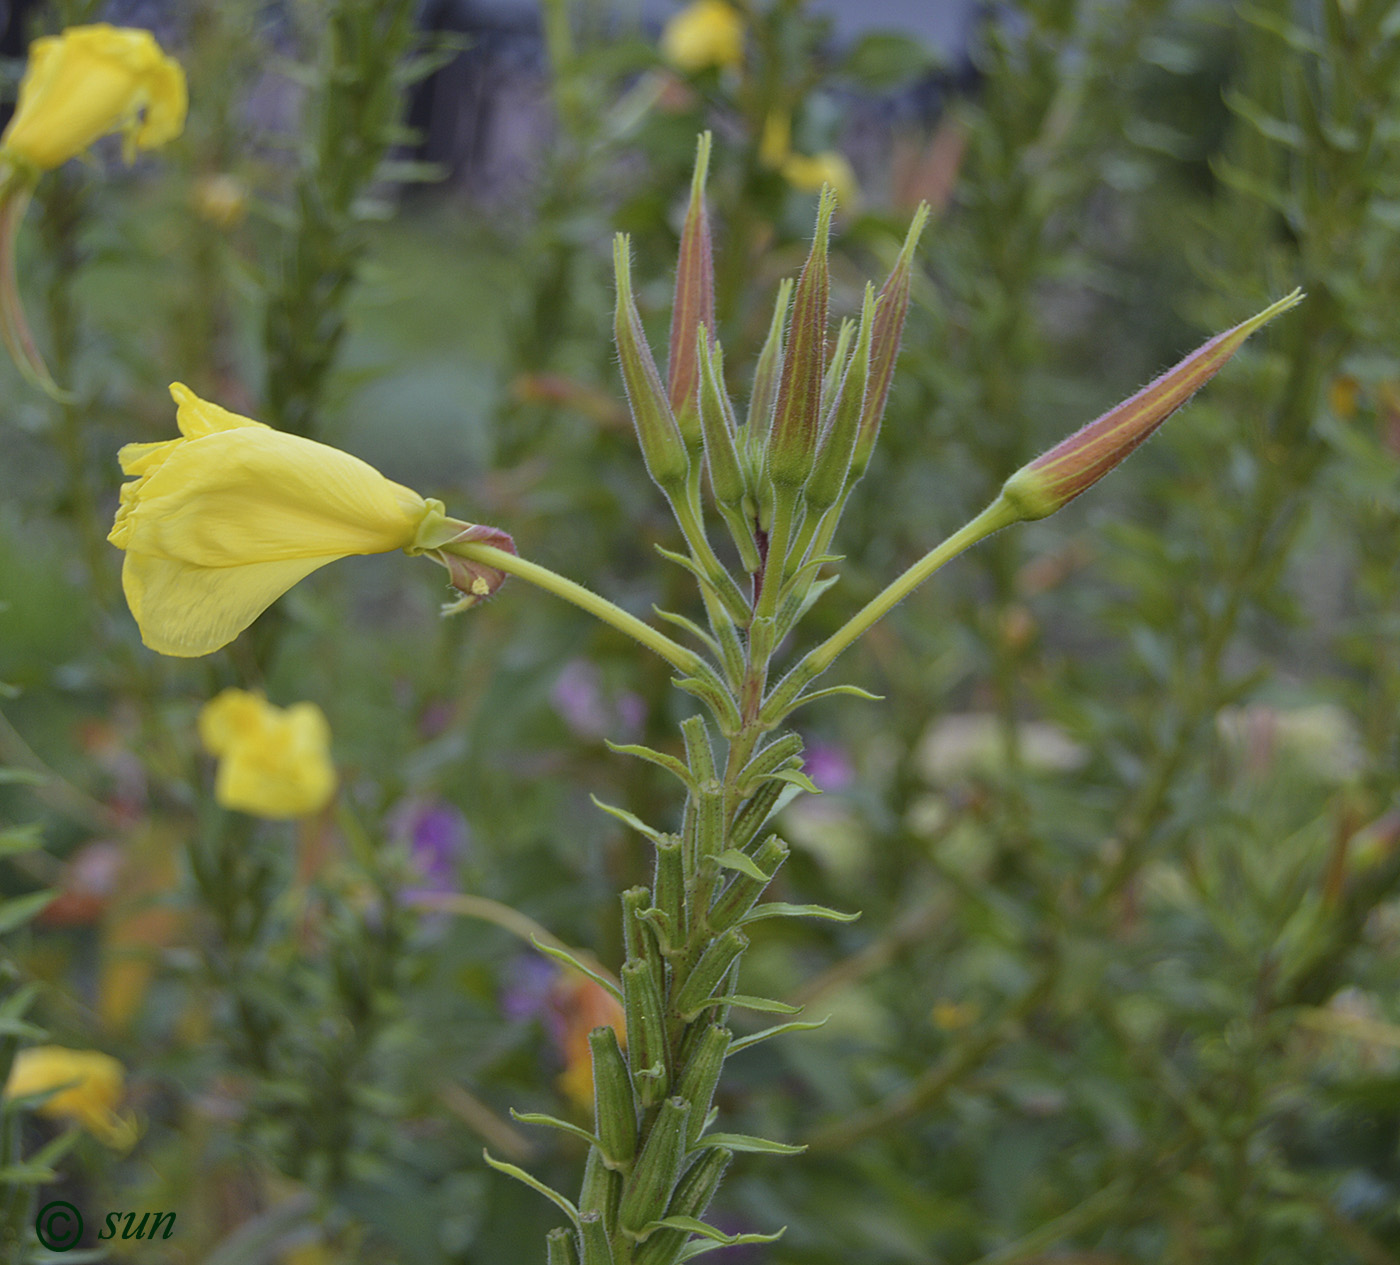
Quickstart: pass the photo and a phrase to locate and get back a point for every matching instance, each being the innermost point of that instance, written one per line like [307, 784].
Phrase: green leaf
[682, 561]
[19, 1001]
[698, 1247]
[534, 1183]
[659, 758]
[779, 909]
[568, 959]
[763, 1004]
[795, 777]
[19, 839]
[733, 859]
[553, 1122]
[10, 776]
[831, 691]
[797, 1025]
[629, 819]
[690, 626]
[15, 913]
[718, 1237]
[29, 1174]
[747, 1142]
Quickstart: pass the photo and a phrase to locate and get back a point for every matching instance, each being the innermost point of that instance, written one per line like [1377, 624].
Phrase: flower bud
[754, 813]
[668, 885]
[1075, 464]
[596, 1248]
[708, 973]
[663, 450]
[648, 1189]
[834, 460]
[701, 1075]
[601, 1191]
[694, 304]
[717, 422]
[792, 445]
[646, 1032]
[693, 1194]
[769, 369]
[560, 1248]
[891, 307]
[614, 1111]
[744, 890]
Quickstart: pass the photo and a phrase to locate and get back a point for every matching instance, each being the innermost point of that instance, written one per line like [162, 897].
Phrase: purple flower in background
[828, 766]
[581, 702]
[437, 836]
[528, 990]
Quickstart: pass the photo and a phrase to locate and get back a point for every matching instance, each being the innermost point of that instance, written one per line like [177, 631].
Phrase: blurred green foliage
[1124, 830]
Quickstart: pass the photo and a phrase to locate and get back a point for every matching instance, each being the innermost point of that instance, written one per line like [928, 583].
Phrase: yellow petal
[280, 767]
[88, 81]
[229, 717]
[703, 34]
[187, 610]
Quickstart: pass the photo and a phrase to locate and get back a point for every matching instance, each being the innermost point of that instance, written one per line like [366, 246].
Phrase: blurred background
[1124, 829]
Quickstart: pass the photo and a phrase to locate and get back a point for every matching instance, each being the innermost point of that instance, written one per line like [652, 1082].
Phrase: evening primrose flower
[89, 81]
[89, 1088]
[807, 173]
[78, 86]
[221, 522]
[705, 33]
[273, 762]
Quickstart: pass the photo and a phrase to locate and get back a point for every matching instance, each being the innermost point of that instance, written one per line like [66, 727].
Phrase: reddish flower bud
[1075, 464]
[694, 303]
[792, 445]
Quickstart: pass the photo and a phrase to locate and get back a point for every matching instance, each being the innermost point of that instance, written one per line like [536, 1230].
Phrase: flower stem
[599, 607]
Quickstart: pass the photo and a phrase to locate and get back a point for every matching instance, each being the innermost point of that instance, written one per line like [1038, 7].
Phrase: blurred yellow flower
[220, 523]
[86, 82]
[807, 174]
[95, 1084]
[705, 33]
[273, 762]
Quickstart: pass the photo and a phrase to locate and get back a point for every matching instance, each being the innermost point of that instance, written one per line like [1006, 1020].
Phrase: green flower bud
[654, 1176]
[668, 885]
[717, 421]
[646, 1032]
[693, 1194]
[663, 450]
[705, 976]
[602, 1189]
[560, 1248]
[701, 1075]
[744, 890]
[769, 369]
[614, 1110]
[754, 813]
[834, 460]
[596, 1248]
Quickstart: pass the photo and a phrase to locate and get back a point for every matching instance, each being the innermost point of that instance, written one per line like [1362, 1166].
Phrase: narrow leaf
[568, 959]
[733, 859]
[17, 912]
[534, 1183]
[779, 909]
[553, 1122]
[797, 1025]
[692, 1225]
[628, 819]
[765, 1005]
[747, 1142]
[659, 758]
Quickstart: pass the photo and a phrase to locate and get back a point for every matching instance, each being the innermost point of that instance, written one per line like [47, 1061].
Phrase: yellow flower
[807, 174]
[272, 762]
[220, 523]
[705, 33]
[89, 81]
[94, 1088]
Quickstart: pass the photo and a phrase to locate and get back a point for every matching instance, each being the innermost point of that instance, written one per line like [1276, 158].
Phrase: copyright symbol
[59, 1226]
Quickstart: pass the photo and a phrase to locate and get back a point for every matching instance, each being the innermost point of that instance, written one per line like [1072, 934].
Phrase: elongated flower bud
[892, 306]
[708, 973]
[694, 304]
[692, 1197]
[560, 1248]
[596, 1248]
[646, 1032]
[744, 890]
[768, 371]
[792, 446]
[717, 422]
[601, 1191]
[1075, 464]
[701, 1075]
[834, 460]
[615, 1113]
[663, 450]
[654, 1177]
